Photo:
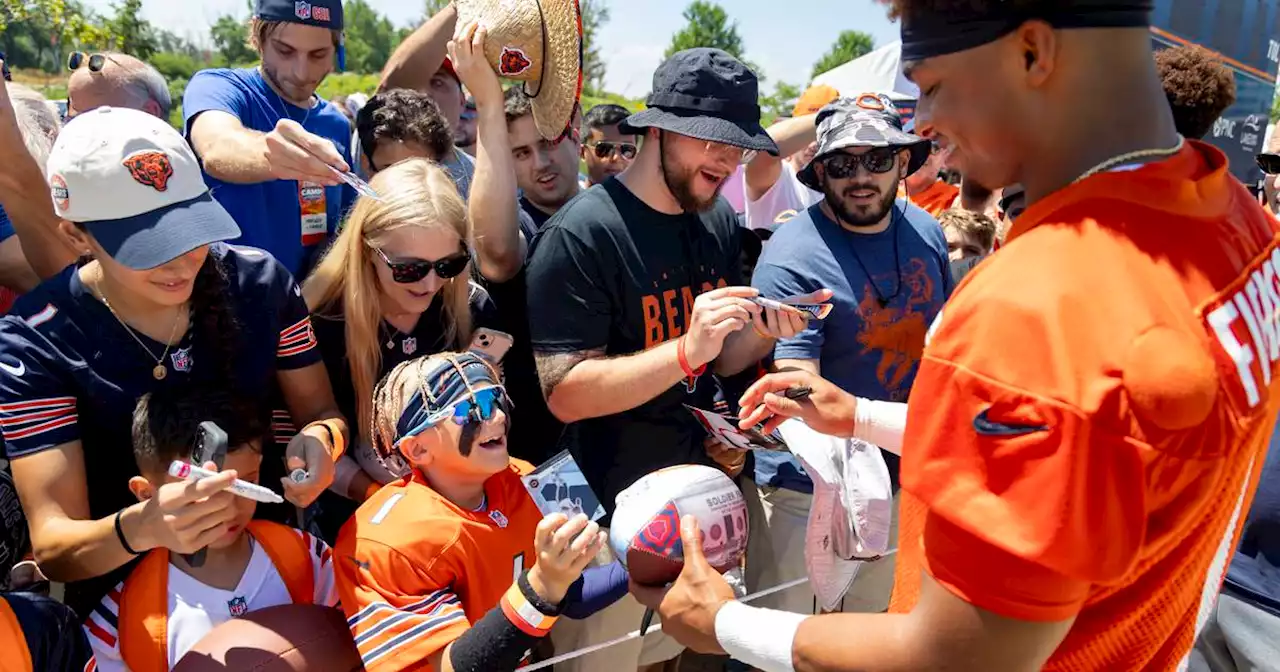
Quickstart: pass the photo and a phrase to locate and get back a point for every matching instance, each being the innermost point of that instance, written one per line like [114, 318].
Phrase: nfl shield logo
[302, 10]
[238, 607]
[498, 518]
[181, 359]
[409, 345]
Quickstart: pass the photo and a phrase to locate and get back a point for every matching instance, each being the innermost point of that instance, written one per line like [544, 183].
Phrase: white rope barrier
[656, 624]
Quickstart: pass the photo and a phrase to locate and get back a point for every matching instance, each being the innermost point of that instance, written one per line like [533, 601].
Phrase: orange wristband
[337, 442]
[524, 615]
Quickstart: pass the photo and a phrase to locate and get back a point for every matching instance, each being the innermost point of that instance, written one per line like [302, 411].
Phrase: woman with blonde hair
[395, 286]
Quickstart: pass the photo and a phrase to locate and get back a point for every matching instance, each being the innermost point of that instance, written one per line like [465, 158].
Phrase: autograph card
[356, 183]
[725, 429]
[558, 486]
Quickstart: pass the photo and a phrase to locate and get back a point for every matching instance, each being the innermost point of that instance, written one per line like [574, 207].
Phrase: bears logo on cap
[513, 62]
[58, 189]
[150, 168]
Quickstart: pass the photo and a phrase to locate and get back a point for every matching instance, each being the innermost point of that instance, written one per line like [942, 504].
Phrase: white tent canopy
[879, 71]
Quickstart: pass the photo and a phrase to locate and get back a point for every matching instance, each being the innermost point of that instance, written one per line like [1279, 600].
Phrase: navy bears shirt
[292, 221]
[71, 372]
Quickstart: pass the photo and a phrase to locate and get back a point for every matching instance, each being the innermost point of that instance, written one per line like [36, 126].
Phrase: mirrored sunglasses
[604, 150]
[1269, 163]
[475, 408]
[410, 271]
[843, 166]
[78, 59]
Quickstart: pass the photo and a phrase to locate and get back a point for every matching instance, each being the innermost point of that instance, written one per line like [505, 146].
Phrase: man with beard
[1095, 403]
[635, 293]
[267, 142]
[546, 170]
[886, 261]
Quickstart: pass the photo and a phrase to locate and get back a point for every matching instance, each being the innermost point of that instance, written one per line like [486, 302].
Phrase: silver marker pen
[257, 493]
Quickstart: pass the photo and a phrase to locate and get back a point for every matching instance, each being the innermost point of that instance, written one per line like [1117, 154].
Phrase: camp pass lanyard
[312, 204]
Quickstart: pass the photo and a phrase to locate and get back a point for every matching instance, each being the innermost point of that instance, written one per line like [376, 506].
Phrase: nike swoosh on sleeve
[987, 427]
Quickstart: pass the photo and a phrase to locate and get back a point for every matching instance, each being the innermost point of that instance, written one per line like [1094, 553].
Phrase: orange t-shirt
[414, 570]
[938, 197]
[1092, 411]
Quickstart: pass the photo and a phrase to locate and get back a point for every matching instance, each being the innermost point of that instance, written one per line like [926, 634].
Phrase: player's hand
[716, 314]
[466, 51]
[187, 516]
[309, 453]
[828, 409]
[770, 323]
[296, 154]
[565, 547]
[730, 460]
[689, 606]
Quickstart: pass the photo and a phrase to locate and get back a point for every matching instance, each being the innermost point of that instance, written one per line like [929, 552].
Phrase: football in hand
[645, 533]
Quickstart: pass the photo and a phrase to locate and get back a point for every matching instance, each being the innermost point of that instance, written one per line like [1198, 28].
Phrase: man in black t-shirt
[635, 292]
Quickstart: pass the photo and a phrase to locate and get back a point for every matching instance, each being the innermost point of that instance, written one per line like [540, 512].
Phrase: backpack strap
[143, 628]
[289, 553]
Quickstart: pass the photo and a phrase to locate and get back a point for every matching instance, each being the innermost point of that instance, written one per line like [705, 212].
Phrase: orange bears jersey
[414, 570]
[1093, 409]
[938, 197]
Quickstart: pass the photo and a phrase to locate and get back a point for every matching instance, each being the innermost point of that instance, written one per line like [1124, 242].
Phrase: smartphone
[490, 344]
[211, 446]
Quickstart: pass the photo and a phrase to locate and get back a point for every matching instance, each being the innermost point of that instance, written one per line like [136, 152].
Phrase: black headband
[937, 34]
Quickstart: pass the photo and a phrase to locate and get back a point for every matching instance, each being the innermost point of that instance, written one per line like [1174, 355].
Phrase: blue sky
[783, 37]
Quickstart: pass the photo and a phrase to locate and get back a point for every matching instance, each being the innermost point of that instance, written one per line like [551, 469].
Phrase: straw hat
[539, 43]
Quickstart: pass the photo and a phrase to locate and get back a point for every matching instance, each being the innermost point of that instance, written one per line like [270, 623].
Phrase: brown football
[287, 638]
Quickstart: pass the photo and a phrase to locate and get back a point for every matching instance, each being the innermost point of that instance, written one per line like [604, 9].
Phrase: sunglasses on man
[409, 271]
[604, 150]
[843, 166]
[79, 59]
[1269, 163]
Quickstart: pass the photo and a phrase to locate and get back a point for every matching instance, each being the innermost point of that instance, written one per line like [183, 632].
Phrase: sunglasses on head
[410, 271]
[1269, 163]
[79, 59]
[843, 166]
[604, 150]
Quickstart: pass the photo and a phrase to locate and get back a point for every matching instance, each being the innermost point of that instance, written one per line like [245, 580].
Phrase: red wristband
[689, 372]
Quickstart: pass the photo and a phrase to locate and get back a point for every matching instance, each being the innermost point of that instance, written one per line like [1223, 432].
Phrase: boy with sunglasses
[886, 261]
[454, 567]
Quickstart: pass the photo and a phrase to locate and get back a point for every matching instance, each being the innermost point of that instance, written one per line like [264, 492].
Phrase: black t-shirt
[610, 273]
[539, 217]
[535, 432]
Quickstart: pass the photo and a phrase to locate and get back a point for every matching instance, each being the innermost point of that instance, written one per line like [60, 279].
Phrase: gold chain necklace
[1122, 159]
[160, 370]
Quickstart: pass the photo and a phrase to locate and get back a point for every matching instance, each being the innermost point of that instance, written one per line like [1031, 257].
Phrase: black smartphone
[211, 446]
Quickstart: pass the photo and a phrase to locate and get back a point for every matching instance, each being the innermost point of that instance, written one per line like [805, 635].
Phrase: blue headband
[453, 379]
[931, 34]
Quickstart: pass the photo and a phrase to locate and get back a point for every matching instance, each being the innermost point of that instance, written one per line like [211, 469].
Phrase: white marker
[257, 493]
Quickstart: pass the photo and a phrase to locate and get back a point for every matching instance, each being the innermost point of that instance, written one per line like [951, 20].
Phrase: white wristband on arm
[881, 423]
[761, 638]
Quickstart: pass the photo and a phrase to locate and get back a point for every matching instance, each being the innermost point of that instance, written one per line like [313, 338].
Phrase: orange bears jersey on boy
[1093, 409]
[414, 570]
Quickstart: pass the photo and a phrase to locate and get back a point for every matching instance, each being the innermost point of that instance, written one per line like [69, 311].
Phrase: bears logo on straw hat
[539, 43]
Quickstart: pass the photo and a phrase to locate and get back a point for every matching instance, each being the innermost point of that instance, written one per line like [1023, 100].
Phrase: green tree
[850, 45]
[594, 15]
[781, 102]
[35, 33]
[231, 39]
[709, 26]
[370, 37]
[131, 33]
[432, 7]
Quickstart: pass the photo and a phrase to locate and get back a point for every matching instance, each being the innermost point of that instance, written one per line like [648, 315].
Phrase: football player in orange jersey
[1094, 402]
[454, 567]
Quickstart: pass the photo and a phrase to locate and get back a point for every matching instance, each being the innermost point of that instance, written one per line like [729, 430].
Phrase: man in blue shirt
[886, 261]
[267, 141]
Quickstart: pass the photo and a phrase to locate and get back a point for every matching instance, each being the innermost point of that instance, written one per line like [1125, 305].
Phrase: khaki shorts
[620, 618]
[775, 555]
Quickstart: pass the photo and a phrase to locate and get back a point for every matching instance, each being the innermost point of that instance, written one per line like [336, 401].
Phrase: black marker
[798, 393]
[646, 622]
